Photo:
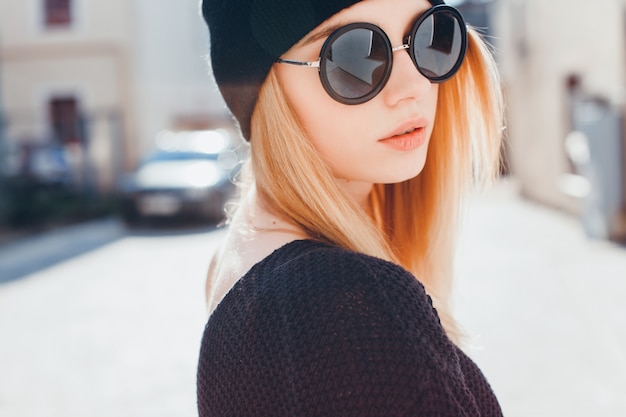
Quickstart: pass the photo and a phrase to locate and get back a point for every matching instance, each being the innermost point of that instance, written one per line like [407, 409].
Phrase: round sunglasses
[355, 60]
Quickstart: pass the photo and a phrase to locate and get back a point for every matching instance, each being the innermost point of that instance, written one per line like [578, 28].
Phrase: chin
[396, 179]
[404, 173]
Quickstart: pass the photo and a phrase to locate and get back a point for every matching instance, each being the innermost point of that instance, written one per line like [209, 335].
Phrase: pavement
[24, 255]
[108, 325]
[543, 307]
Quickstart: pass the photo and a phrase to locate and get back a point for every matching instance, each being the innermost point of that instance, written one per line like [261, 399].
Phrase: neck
[360, 191]
[262, 218]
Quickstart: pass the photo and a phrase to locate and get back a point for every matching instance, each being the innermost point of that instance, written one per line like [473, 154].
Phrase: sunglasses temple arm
[314, 64]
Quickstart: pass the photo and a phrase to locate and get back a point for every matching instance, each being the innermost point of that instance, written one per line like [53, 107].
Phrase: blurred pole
[83, 125]
[3, 148]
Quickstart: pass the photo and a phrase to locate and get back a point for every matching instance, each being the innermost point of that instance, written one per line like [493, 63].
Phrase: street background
[100, 319]
[115, 330]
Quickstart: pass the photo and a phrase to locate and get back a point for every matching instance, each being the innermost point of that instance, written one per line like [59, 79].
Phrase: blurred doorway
[57, 13]
[64, 119]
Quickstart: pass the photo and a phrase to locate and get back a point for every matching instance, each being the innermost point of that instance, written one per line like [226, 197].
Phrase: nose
[405, 81]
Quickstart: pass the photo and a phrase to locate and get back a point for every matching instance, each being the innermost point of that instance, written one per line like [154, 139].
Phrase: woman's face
[367, 143]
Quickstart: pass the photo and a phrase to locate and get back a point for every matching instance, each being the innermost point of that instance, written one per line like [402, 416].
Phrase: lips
[407, 136]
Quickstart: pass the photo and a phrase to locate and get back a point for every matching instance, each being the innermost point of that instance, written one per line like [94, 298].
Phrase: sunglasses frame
[321, 63]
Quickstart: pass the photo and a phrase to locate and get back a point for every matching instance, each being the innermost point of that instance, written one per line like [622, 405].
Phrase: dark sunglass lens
[438, 45]
[355, 64]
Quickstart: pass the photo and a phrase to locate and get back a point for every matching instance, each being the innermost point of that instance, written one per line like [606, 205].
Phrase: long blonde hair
[413, 223]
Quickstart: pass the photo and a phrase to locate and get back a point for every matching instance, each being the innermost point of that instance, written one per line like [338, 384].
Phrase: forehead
[390, 15]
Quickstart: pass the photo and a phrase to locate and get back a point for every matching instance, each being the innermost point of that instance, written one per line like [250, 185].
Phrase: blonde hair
[412, 223]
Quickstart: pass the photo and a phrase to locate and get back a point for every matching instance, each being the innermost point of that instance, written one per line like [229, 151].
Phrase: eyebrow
[322, 33]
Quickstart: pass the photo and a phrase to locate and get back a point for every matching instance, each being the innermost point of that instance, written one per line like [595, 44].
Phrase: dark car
[178, 183]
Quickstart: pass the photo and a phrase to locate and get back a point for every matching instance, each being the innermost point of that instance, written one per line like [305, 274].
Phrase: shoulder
[329, 332]
[320, 270]
[313, 288]
[311, 263]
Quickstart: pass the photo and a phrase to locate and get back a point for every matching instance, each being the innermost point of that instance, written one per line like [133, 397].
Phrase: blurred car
[179, 182]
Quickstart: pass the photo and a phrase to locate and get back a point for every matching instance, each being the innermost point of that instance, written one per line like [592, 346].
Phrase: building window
[65, 120]
[57, 13]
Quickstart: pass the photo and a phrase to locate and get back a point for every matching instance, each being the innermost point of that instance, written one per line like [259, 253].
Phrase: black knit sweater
[315, 330]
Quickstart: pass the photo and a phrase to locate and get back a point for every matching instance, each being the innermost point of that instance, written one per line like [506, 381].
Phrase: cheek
[431, 103]
[331, 131]
[325, 120]
[300, 89]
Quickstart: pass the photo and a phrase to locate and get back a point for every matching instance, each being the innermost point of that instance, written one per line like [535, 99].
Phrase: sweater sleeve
[330, 333]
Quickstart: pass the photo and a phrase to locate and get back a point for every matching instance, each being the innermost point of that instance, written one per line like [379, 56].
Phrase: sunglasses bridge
[401, 47]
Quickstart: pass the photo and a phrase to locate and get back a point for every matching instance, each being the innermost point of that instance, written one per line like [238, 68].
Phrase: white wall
[540, 44]
[145, 58]
[22, 22]
[171, 74]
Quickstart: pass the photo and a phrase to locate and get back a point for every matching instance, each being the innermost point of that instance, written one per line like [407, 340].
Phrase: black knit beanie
[247, 36]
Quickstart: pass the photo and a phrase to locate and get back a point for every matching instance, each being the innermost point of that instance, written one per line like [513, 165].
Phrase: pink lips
[408, 136]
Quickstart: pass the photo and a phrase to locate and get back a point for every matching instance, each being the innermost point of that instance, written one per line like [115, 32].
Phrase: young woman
[367, 121]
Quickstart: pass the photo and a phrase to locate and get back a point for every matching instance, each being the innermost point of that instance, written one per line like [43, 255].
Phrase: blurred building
[563, 64]
[102, 78]
[476, 13]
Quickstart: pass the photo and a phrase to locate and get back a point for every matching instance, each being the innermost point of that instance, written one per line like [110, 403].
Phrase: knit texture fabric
[248, 36]
[315, 330]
